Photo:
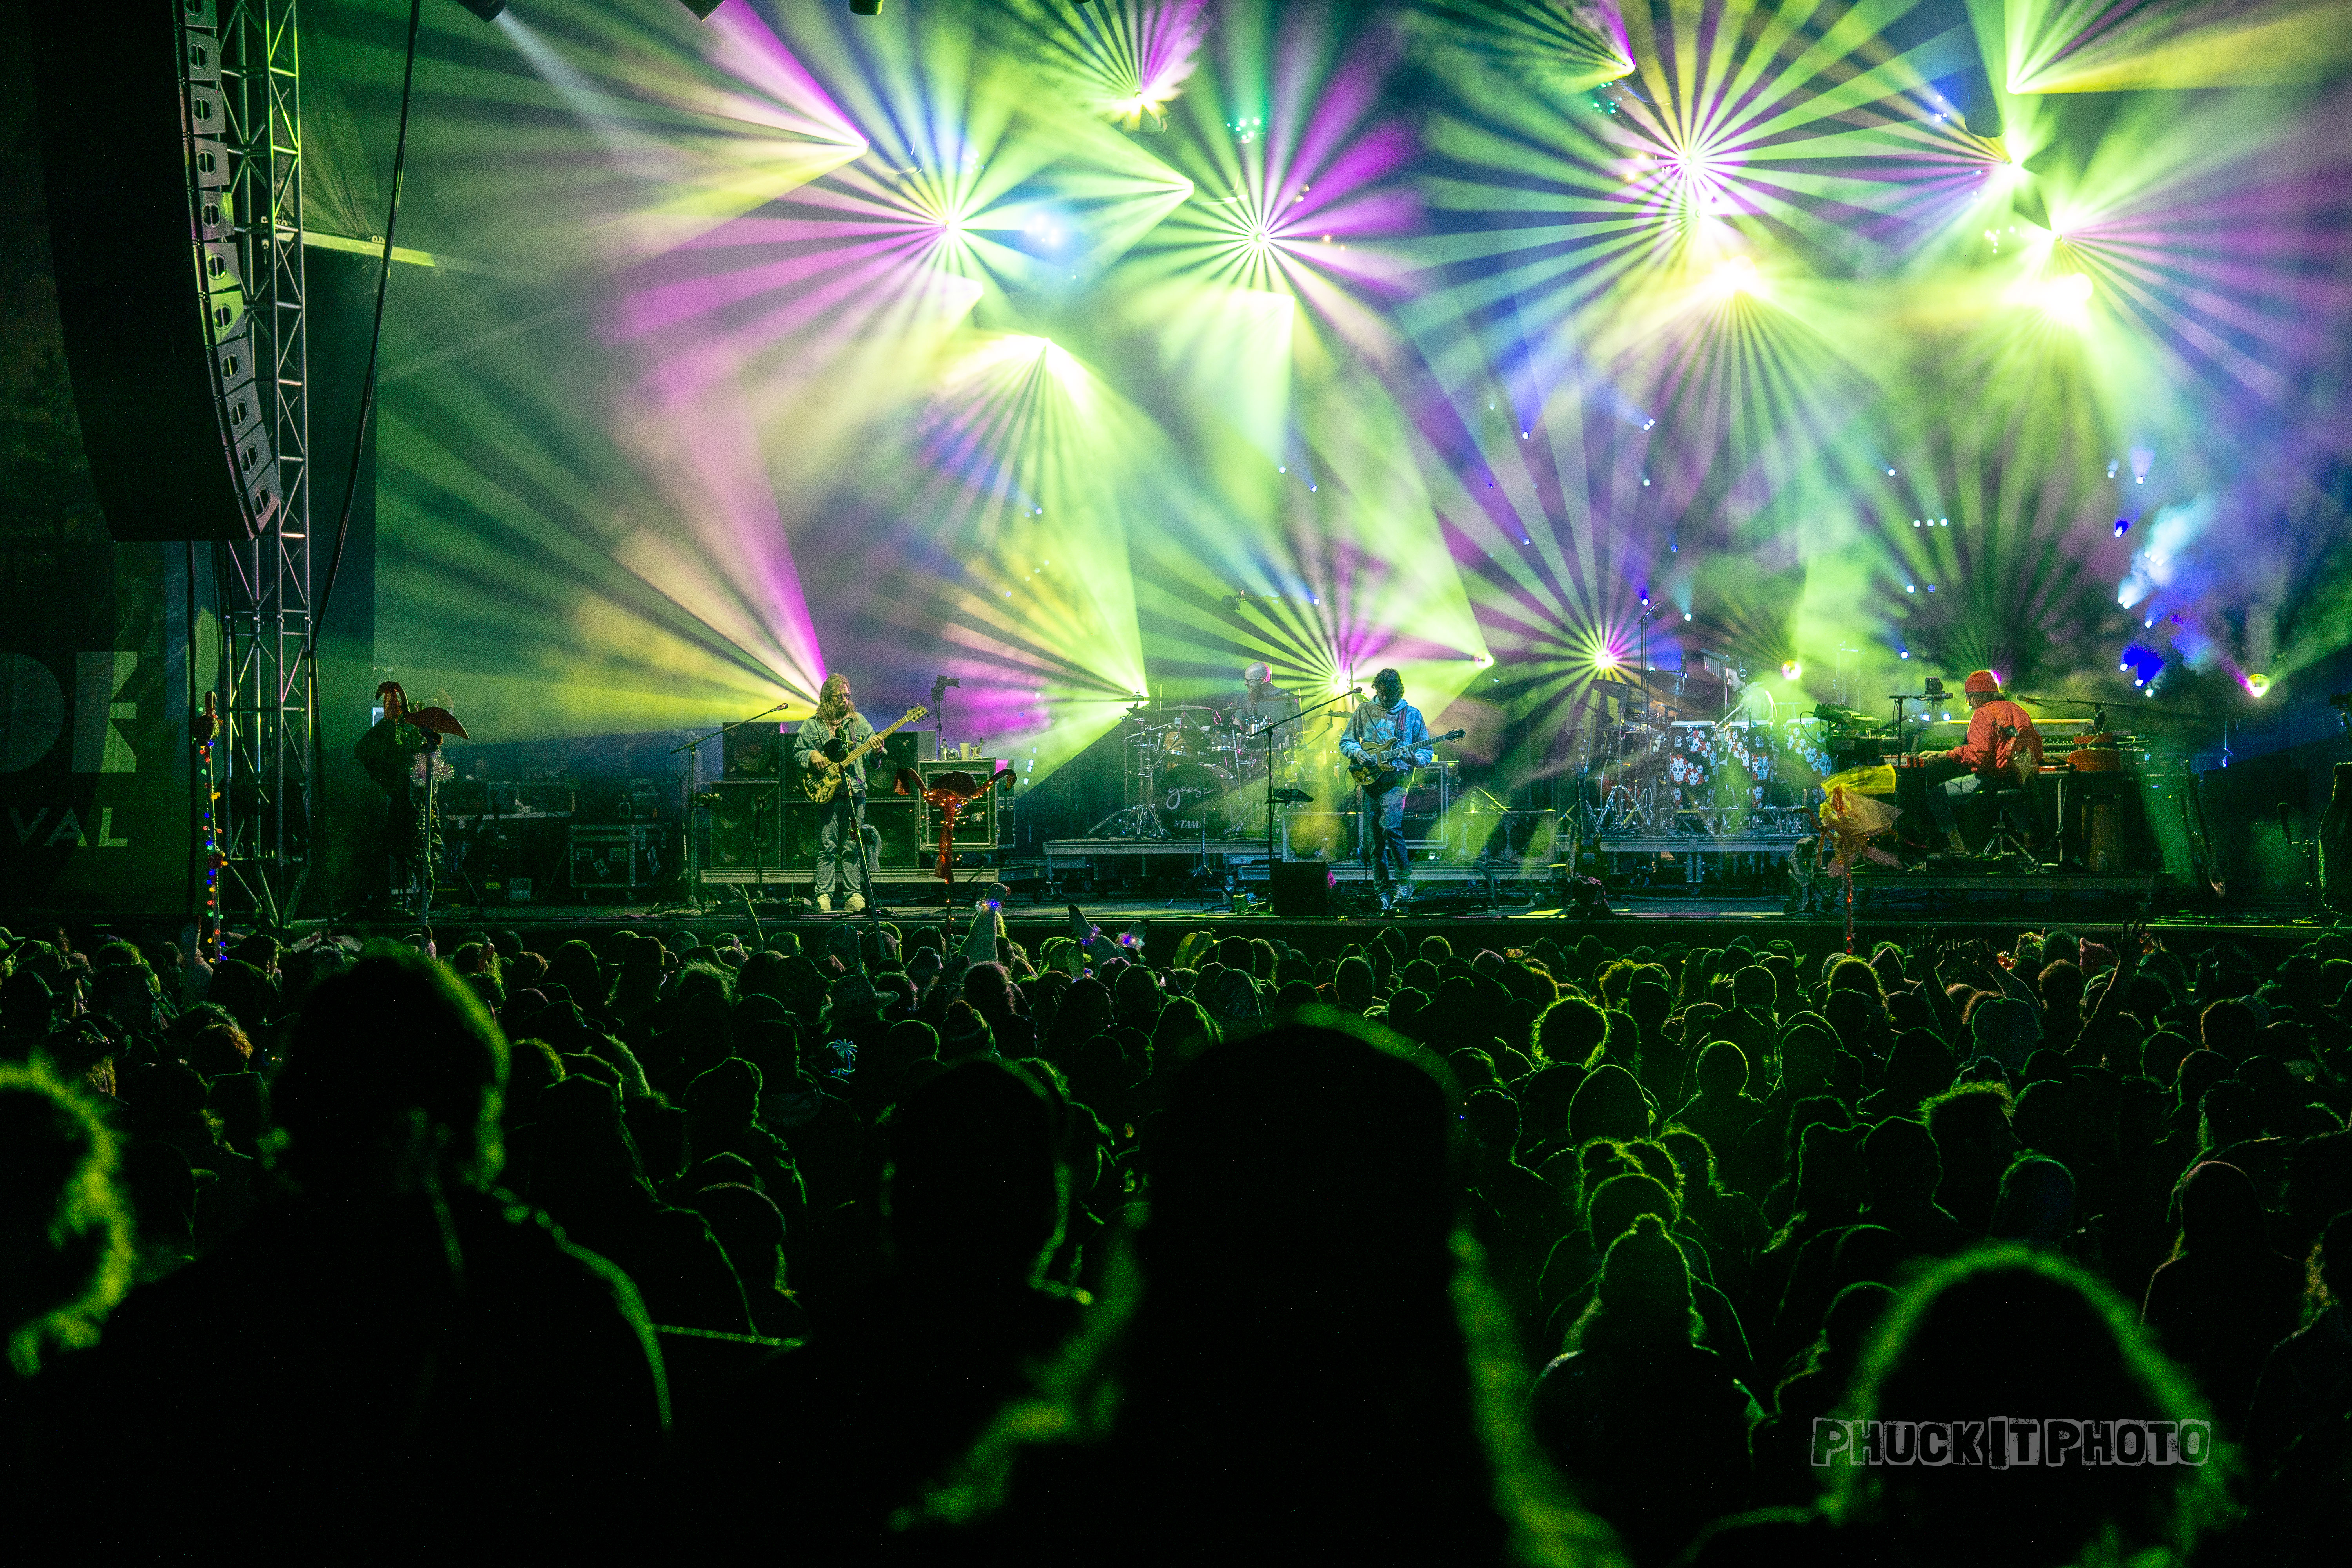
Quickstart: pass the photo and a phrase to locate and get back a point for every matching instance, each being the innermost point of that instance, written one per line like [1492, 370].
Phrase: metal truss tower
[262, 823]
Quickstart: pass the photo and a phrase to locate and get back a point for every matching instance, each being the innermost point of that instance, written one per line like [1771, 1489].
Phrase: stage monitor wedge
[180, 412]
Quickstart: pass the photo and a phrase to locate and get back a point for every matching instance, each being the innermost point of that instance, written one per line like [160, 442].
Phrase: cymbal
[1291, 798]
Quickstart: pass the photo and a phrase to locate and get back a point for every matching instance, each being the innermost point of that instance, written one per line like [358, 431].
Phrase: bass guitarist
[828, 736]
[1388, 724]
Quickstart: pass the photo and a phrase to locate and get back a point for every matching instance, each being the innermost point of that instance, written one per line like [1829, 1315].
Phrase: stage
[1633, 920]
[1179, 443]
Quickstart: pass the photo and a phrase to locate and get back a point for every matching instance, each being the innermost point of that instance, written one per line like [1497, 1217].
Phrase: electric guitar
[823, 781]
[1378, 772]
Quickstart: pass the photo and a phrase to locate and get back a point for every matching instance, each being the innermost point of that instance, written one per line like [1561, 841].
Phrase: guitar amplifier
[1320, 835]
[882, 766]
[980, 826]
[748, 827]
[757, 751]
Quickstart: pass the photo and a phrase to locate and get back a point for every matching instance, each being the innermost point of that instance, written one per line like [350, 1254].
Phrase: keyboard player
[2001, 741]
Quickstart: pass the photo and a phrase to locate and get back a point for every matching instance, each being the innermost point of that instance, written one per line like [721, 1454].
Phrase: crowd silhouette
[861, 1243]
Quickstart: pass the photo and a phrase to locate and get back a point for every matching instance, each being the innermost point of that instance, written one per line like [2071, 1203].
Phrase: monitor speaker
[1302, 889]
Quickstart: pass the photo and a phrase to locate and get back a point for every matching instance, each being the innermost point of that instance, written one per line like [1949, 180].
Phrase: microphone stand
[1303, 712]
[693, 748]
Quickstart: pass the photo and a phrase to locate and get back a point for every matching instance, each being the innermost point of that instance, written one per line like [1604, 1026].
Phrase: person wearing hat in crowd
[2001, 739]
[853, 1009]
[1648, 1427]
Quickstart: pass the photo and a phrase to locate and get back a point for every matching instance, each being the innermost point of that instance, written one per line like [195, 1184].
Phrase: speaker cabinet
[182, 312]
[1320, 835]
[757, 751]
[748, 827]
[1302, 889]
[765, 827]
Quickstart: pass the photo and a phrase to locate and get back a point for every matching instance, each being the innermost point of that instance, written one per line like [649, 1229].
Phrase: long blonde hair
[833, 703]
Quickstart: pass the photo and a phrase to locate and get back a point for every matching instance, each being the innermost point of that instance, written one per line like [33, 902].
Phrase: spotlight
[487, 10]
[1735, 276]
[2123, 525]
[1790, 670]
[1608, 658]
[1686, 614]
[865, 7]
[1906, 653]
[2258, 686]
[702, 8]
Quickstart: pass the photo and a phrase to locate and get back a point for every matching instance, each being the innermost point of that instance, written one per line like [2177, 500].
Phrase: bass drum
[1188, 800]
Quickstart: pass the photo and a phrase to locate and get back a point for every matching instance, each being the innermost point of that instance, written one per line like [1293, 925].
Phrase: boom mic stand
[693, 750]
[1302, 713]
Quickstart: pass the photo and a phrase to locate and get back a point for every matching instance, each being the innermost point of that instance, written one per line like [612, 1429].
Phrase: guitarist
[828, 735]
[1387, 721]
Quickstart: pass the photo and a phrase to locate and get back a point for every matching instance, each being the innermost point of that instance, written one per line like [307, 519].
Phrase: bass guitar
[1378, 771]
[824, 775]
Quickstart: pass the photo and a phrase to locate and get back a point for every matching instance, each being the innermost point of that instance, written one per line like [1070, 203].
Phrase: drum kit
[1720, 777]
[1198, 773]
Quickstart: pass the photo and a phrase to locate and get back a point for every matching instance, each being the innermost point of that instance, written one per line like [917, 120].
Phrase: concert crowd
[853, 1243]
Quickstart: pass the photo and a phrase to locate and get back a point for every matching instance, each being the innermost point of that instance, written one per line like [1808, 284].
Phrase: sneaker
[824, 903]
[856, 904]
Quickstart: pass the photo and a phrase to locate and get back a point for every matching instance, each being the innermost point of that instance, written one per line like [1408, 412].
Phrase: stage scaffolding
[264, 755]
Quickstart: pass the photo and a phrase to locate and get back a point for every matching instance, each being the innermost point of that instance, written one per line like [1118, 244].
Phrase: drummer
[2001, 740]
[1263, 704]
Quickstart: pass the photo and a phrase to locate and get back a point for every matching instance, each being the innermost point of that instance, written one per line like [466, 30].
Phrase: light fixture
[2258, 686]
[702, 8]
[1790, 670]
[487, 10]
[865, 7]
[1736, 275]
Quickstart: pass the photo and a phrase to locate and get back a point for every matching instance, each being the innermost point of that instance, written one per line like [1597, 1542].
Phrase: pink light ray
[749, 50]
